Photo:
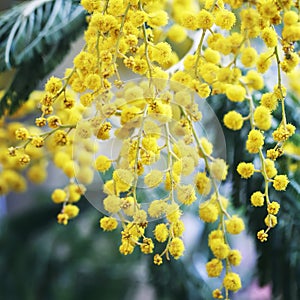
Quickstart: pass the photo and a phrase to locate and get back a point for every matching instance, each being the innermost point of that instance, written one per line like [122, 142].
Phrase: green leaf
[34, 38]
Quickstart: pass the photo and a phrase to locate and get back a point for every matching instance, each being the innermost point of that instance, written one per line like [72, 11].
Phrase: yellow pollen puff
[177, 33]
[157, 18]
[263, 62]
[225, 19]
[273, 154]
[115, 7]
[161, 232]
[257, 199]
[128, 206]
[235, 225]
[161, 52]
[202, 183]
[248, 56]
[62, 218]
[282, 133]
[269, 37]
[289, 62]
[150, 144]
[147, 246]
[103, 22]
[24, 159]
[189, 61]
[262, 117]
[53, 121]
[171, 181]
[102, 163]
[206, 146]
[22, 134]
[213, 5]
[160, 111]
[219, 248]
[60, 158]
[234, 257]
[291, 33]
[140, 222]
[232, 282]
[270, 168]
[123, 179]
[93, 81]
[103, 133]
[290, 17]
[112, 204]
[218, 202]
[154, 178]
[189, 20]
[235, 93]
[225, 75]
[75, 192]
[273, 208]
[71, 210]
[262, 236]
[233, 120]
[152, 129]
[205, 19]
[269, 100]
[184, 166]
[177, 228]
[91, 5]
[270, 221]
[183, 98]
[70, 168]
[59, 196]
[133, 230]
[212, 56]
[173, 212]
[138, 17]
[280, 182]
[246, 170]
[267, 9]
[53, 85]
[86, 99]
[279, 91]
[176, 247]
[214, 267]
[157, 259]
[126, 247]
[60, 138]
[219, 169]
[217, 294]
[254, 80]
[36, 174]
[37, 141]
[255, 141]
[186, 194]
[157, 208]
[40, 122]
[208, 212]
[108, 223]
[208, 72]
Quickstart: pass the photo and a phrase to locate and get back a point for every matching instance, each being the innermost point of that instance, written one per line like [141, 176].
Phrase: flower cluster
[155, 119]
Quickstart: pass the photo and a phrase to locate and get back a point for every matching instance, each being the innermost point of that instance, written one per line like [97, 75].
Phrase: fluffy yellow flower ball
[232, 282]
[108, 223]
[233, 120]
[235, 225]
[246, 170]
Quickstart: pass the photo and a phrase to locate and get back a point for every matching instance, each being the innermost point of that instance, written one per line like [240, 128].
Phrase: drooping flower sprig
[155, 118]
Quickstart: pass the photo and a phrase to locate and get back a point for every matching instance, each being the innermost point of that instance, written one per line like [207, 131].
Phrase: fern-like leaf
[34, 38]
